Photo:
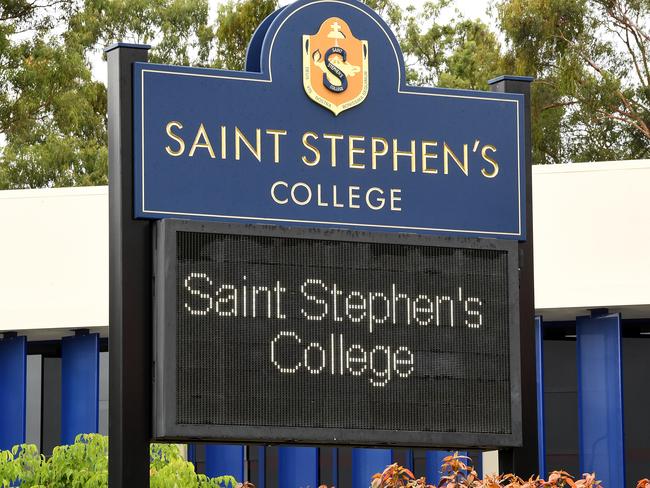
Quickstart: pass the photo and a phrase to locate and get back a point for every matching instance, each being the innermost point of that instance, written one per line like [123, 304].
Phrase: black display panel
[265, 334]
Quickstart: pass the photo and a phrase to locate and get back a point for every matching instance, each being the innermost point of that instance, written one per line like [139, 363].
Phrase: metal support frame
[541, 431]
[524, 460]
[79, 386]
[130, 286]
[131, 289]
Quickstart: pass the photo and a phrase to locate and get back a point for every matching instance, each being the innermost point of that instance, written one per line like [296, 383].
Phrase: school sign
[312, 252]
[322, 130]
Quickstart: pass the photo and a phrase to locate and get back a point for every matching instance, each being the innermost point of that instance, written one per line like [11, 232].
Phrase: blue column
[13, 391]
[261, 468]
[434, 461]
[478, 464]
[297, 467]
[191, 454]
[600, 397]
[539, 361]
[410, 461]
[366, 462]
[221, 460]
[79, 386]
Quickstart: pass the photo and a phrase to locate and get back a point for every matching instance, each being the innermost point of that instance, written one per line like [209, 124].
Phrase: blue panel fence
[600, 398]
[366, 462]
[224, 460]
[298, 467]
[13, 391]
[79, 386]
[434, 460]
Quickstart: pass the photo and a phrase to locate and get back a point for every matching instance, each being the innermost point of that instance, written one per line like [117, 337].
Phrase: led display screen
[335, 337]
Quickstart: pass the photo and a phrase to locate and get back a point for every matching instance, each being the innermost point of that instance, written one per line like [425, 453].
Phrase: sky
[469, 8]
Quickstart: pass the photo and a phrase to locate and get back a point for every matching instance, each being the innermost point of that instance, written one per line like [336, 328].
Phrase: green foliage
[452, 53]
[53, 111]
[236, 23]
[85, 465]
[591, 100]
[177, 29]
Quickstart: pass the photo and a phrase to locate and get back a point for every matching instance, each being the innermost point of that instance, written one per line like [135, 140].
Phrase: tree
[591, 97]
[452, 53]
[591, 100]
[49, 107]
[236, 23]
[52, 110]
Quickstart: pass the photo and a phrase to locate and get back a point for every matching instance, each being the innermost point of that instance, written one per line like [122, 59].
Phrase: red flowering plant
[457, 472]
[395, 476]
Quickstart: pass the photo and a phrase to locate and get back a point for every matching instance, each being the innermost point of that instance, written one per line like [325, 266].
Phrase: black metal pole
[523, 461]
[130, 274]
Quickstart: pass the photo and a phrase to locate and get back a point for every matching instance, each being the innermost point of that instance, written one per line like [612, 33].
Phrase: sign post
[129, 416]
[524, 460]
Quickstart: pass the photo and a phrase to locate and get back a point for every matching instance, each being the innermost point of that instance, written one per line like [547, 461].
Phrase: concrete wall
[54, 259]
[591, 248]
[592, 229]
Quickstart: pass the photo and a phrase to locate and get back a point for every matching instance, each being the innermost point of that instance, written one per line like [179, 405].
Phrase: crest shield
[335, 66]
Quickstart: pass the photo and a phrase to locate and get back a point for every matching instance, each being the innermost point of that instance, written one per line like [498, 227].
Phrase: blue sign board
[322, 130]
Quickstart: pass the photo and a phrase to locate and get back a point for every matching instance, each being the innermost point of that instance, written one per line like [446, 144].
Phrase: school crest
[335, 66]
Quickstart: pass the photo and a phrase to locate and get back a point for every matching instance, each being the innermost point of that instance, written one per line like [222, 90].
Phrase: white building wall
[592, 248]
[592, 238]
[54, 258]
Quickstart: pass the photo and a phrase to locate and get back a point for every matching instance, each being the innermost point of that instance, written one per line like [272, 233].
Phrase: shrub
[84, 464]
[457, 472]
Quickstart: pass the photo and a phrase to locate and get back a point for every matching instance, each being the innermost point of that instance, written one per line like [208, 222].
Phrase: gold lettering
[321, 203]
[464, 166]
[356, 150]
[177, 138]
[395, 197]
[495, 172]
[224, 142]
[335, 202]
[376, 152]
[353, 194]
[274, 196]
[201, 134]
[334, 138]
[255, 151]
[294, 196]
[381, 201]
[276, 142]
[313, 149]
[397, 153]
[426, 155]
